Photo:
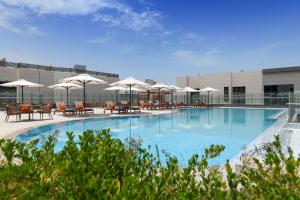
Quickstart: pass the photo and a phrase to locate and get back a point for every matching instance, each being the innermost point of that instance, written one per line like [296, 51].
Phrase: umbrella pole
[84, 94]
[159, 97]
[22, 88]
[172, 97]
[117, 96]
[67, 97]
[130, 96]
[187, 98]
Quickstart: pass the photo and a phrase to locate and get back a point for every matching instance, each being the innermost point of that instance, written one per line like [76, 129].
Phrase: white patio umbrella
[117, 89]
[84, 79]
[188, 90]
[208, 90]
[159, 86]
[130, 82]
[21, 83]
[65, 86]
[173, 88]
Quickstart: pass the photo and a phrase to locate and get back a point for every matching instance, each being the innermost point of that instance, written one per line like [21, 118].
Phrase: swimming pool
[181, 134]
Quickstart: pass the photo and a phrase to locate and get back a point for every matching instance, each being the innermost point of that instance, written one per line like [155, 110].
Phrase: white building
[260, 87]
[48, 75]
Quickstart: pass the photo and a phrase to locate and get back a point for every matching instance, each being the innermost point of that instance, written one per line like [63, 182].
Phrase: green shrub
[101, 167]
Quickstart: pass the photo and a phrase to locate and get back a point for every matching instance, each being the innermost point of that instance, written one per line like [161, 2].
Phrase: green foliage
[101, 167]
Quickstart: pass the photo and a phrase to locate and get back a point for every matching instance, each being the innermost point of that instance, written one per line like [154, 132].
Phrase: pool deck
[12, 128]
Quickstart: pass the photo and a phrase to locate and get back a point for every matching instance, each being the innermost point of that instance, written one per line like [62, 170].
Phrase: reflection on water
[181, 134]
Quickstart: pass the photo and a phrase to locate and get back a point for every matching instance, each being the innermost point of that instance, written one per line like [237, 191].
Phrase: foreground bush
[100, 167]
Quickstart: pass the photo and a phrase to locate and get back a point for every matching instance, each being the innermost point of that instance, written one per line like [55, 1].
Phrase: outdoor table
[121, 109]
[70, 111]
[31, 107]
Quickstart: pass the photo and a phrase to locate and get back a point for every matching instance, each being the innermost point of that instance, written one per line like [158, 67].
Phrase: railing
[51, 68]
[294, 108]
[245, 100]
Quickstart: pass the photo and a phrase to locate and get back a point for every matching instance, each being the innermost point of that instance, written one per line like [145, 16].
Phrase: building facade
[261, 87]
[48, 75]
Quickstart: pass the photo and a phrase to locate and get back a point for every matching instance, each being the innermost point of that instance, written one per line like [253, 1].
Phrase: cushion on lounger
[25, 108]
[62, 106]
[80, 106]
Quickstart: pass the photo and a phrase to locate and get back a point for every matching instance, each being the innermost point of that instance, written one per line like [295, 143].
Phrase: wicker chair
[45, 110]
[10, 111]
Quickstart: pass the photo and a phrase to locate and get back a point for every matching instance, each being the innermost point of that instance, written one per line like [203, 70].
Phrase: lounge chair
[157, 104]
[125, 104]
[168, 105]
[60, 107]
[81, 108]
[10, 111]
[151, 105]
[181, 105]
[109, 105]
[142, 104]
[45, 110]
[199, 104]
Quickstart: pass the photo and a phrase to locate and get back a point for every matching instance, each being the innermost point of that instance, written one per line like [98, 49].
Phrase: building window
[226, 94]
[239, 95]
[276, 95]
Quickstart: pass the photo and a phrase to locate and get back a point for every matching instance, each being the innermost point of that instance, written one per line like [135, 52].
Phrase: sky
[156, 39]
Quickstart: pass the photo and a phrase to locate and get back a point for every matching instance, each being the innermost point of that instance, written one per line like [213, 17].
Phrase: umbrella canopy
[209, 89]
[159, 86]
[173, 89]
[66, 86]
[117, 89]
[84, 79]
[21, 83]
[130, 82]
[188, 90]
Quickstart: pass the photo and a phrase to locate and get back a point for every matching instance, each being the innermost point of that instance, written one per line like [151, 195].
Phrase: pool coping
[266, 136]
[16, 133]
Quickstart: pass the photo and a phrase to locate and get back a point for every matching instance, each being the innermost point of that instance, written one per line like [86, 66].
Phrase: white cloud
[69, 7]
[9, 18]
[196, 59]
[109, 12]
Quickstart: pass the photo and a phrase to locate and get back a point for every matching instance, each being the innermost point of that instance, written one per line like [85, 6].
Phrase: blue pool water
[181, 134]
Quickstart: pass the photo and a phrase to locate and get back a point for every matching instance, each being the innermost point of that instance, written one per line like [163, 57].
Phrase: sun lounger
[109, 105]
[80, 108]
[60, 107]
[143, 104]
[199, 104]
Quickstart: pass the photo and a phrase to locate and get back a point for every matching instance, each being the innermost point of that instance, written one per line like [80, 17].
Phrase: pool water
[180, 134]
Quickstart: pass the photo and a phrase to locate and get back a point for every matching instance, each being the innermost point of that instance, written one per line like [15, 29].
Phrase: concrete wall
[8, 74]
[282, 78]
[253, 81]
[46, 78]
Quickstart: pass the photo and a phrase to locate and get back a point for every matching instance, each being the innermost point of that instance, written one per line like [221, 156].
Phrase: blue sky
[157, 39]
